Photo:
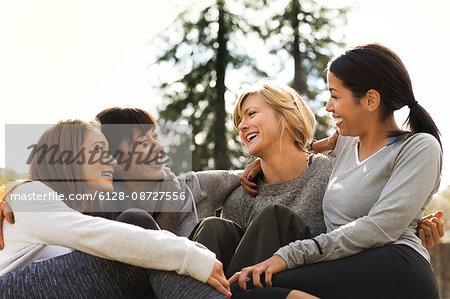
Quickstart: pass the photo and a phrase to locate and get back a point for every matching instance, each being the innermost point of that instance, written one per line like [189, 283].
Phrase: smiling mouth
[338, 120]
[251, 136]
[107, 174]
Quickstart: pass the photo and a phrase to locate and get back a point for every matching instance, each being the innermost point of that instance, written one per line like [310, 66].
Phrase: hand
[332, 140]
[218, 280]
[5, 212]
[431, 229]
[269, 267]
[327, 144]
[250, 172]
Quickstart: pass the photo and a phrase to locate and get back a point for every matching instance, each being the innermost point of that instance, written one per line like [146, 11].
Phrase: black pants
[391, 271]
[275, 226]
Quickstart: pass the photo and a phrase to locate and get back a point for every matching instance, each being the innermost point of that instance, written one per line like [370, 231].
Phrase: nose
[242, 125]
[329, 106]
[159, 146]
[112, 161]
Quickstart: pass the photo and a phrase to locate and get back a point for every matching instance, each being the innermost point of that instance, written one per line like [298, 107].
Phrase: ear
[372, 100]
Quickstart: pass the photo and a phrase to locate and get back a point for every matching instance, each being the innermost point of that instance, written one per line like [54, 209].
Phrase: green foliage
[207, 51]
[303, 31]
[198, 50]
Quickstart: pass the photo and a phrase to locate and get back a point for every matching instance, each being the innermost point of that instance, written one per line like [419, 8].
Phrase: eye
[155, 136]
[144, 141]
[98, 148]
[251, 113]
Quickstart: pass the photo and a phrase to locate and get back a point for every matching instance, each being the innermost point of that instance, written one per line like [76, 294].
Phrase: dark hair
[374, 66]
[123, 116]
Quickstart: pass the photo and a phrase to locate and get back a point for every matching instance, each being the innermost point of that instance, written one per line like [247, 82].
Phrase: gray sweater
[210, 190]
[303, 195]
[375, 202]
[204, 192]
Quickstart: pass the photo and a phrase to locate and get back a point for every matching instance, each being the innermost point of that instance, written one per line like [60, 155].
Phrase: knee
[138, 217]
[274, 212]
[275, 209]
[213, 224]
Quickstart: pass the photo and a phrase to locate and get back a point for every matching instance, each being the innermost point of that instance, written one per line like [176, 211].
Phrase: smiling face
[146, 154]
[259, 127]
[349, 116]
[98, 170]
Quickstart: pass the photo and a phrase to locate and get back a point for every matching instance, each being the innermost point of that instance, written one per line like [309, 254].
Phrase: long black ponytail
[374, 66]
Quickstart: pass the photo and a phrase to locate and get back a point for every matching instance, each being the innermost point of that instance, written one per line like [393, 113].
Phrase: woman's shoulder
[32, 187]
[423, 139]
[320, 160]
[342, 143]
[35, 196]
[320, 157]
[420, 142]
[321, 167]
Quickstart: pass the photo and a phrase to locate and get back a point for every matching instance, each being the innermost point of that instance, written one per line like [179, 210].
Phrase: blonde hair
[64, 178]
[295, 115]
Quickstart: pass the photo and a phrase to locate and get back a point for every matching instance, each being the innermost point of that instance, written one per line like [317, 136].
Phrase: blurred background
[185, 61]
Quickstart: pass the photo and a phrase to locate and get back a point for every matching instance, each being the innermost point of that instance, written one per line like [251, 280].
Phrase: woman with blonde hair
[39, 258]
[304, 192]
[383, 178]
[276, 125]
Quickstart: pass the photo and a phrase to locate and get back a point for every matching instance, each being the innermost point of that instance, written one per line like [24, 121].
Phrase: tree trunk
[221, 158]
[299, 83]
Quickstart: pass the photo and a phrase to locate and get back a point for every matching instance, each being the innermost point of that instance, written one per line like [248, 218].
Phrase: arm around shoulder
[53, 223]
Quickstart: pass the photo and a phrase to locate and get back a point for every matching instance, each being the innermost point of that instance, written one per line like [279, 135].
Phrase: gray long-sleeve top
[302, 194]
[375, 202]
[203, 191]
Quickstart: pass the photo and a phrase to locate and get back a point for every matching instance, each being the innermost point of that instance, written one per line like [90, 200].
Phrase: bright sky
[64, 59]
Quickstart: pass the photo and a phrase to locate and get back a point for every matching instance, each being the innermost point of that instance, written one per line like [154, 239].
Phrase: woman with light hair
[383, 179]
[277, 126]
[304, 192]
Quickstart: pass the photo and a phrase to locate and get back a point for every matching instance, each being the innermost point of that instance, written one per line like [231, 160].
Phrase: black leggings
[391, 271]
[275, 226]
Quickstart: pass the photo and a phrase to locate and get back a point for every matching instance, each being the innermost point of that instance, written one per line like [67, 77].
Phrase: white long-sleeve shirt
[51, 222]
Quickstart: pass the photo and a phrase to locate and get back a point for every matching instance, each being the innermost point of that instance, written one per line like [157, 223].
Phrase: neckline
[390, 142]
[292, 184]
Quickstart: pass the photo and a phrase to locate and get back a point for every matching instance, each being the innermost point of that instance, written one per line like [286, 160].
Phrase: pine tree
[202, 56]
[302, 30]
[204, 51]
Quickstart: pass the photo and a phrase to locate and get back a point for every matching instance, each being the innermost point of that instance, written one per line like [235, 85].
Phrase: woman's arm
[53, 223]
[324, 145]
[5, 212]
[414, 179]
[211, 188]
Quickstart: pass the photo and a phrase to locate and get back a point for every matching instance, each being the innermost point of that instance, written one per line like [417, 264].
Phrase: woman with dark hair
[133, 128]
[383, 179]
[111, 259]
[131, 133]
